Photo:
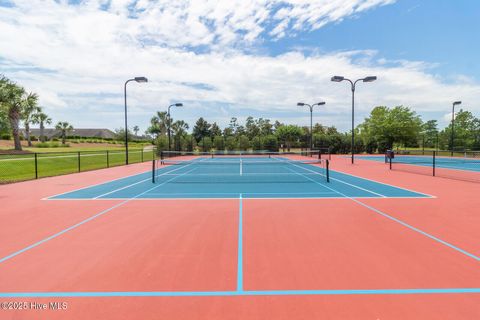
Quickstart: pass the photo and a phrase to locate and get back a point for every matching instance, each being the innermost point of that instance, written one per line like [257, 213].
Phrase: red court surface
[287, 244]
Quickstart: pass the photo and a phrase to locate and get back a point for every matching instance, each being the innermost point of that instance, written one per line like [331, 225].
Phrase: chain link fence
[28, 166]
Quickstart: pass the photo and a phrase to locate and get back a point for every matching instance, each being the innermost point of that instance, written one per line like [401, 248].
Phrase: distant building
[84, 133]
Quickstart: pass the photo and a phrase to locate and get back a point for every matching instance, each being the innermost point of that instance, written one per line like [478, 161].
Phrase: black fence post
[153, 171]
[36, 166]
[390, 161]
[433, 162]
[79, 161]
[142, 154]
[108, 160]
[328, 170]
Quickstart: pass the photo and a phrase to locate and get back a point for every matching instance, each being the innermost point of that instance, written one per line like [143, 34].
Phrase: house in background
[83, 133]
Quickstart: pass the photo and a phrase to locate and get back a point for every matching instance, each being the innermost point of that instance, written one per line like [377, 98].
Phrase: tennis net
[465, 166]
[239, 167]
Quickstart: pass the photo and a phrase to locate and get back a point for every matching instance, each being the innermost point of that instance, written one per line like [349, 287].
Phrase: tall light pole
[169, 120]
[139, 80]
[301, 104]
[452, 139]
[353, 84]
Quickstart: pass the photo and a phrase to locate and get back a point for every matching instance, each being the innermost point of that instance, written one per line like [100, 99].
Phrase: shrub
[5, 136]
[270, 143]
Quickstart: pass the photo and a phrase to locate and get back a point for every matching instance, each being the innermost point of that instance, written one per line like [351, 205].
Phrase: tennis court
[454, 163]
[286, 236]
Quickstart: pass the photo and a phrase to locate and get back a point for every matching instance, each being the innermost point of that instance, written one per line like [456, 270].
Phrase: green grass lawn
[22, 167]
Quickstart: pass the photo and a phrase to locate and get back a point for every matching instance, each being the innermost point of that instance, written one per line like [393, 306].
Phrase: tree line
[385, 128]
[19, 107]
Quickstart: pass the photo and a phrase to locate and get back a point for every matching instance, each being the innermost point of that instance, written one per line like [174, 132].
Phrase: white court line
[133, 184]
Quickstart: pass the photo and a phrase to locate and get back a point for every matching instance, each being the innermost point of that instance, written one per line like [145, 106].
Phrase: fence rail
[28, 166]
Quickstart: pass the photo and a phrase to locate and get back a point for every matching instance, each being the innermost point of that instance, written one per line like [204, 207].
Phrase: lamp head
[320, 103]
[178, 104]
[337, 78]
[141, 79]
[369, 79]
[457, 103]
[300, 104]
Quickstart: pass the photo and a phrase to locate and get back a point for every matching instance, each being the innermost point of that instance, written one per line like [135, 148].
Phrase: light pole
[453, 124]
[169, 120]
[139, 80]
[353, 84]
[301, 104]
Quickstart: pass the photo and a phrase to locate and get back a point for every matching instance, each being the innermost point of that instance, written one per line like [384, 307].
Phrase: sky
[236, 58]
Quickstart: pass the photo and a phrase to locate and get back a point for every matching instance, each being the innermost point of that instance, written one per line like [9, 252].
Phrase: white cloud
[77, 57]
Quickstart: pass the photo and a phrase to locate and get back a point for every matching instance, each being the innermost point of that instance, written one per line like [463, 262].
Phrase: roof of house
[87, 133]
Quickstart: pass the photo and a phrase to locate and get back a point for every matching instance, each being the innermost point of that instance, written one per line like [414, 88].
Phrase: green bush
[55, 139]
[270, 143]
[51, 145]
[5, 136]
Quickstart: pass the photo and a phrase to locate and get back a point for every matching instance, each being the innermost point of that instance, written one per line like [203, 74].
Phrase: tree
[64, 128]
[159, 124]
[231, 143]
[135, 130]
[219, 143]
[41, 119]
[389, 126]
[12, 99]
[288, 134]
[251, 128]
[266, 128]
[29, 109]
[257, 143]
[429, 134]
[243, 143]
[466, 131]
[201, 130]
[215, 130]
[270, 143]
[179, 130]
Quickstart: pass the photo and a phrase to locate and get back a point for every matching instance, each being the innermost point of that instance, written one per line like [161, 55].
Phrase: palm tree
[159, 124]
[64, 128]
[13, 98]
[179, 129]
[41, 119]
[136, 129]
[29, 109]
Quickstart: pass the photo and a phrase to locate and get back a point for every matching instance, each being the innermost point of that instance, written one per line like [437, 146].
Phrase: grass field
[22, 166]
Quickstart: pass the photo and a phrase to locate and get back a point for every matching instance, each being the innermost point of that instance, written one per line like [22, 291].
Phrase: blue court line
[81, 222]
[398, 221]
[240, 246]
[236, 293]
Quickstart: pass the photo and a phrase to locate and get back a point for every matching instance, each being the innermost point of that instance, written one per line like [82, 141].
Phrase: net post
[108, 160]
[328, 170]
[142, 154]
[153, 171]
[36, 166]
[78, 161]
[433, 162]
[390, 162]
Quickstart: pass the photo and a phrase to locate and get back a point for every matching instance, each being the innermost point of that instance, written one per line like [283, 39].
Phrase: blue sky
[238, 58]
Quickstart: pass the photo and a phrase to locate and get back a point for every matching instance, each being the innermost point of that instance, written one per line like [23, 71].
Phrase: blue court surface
[230, 178]
[454, 163]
